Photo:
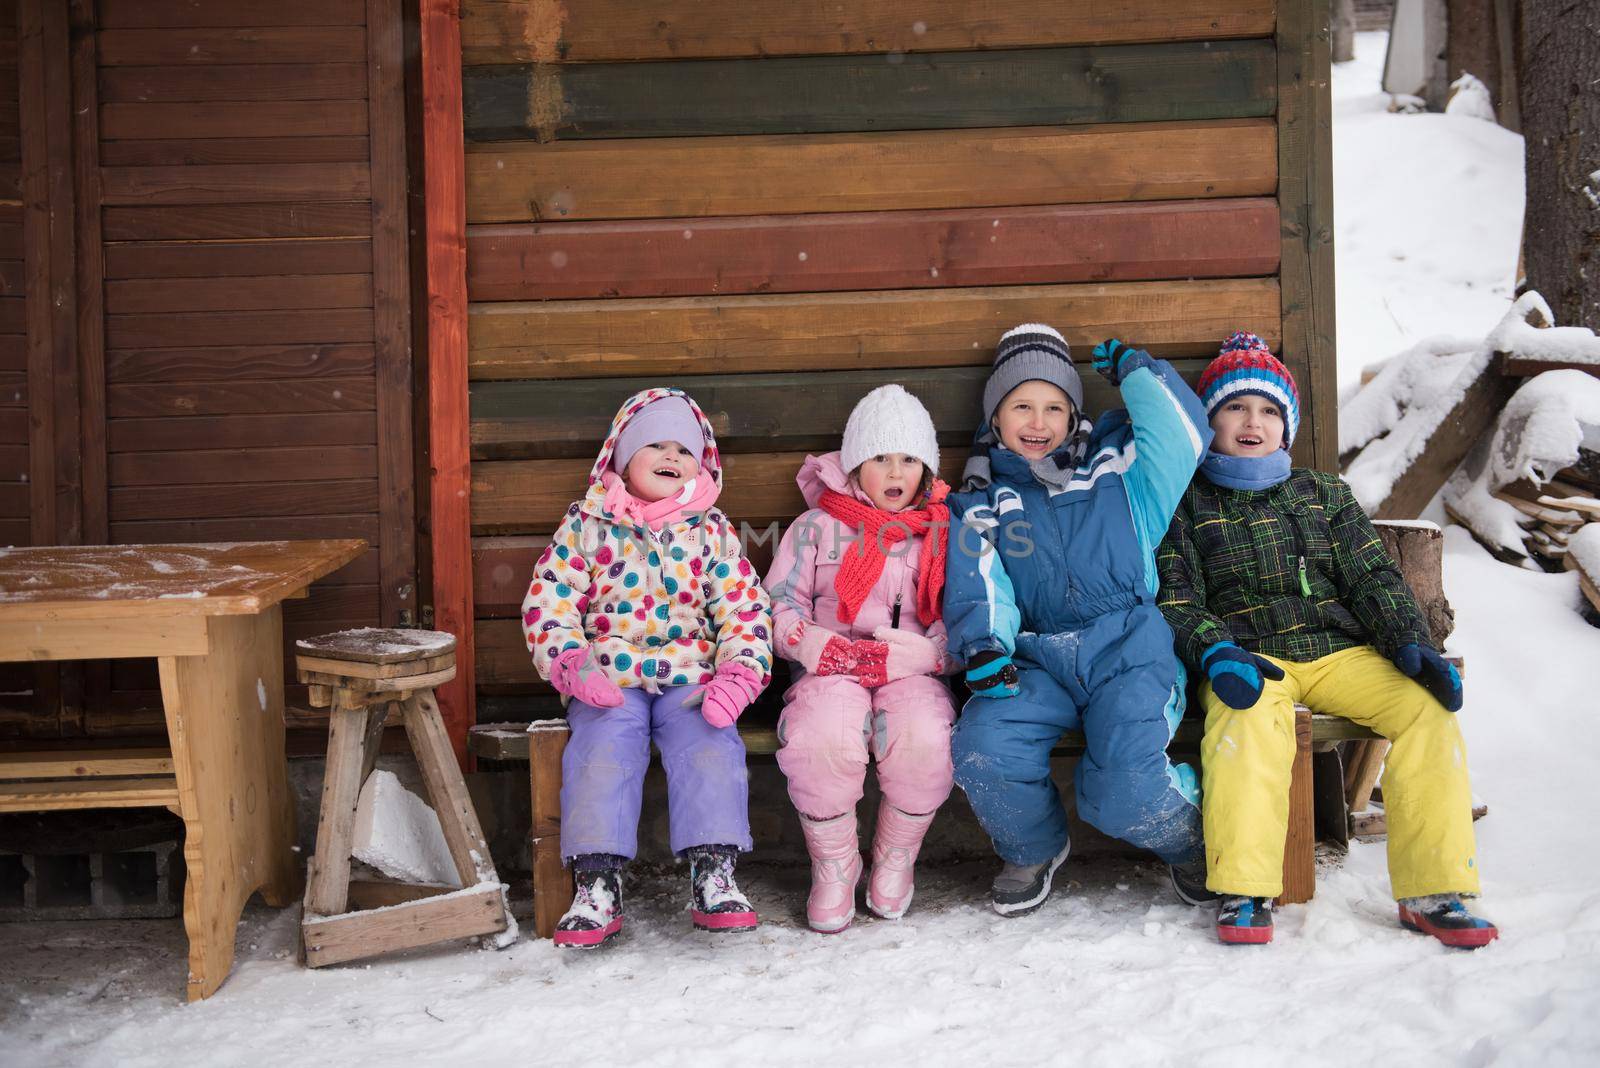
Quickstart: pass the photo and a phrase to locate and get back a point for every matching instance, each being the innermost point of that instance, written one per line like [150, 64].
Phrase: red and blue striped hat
[1246, 365]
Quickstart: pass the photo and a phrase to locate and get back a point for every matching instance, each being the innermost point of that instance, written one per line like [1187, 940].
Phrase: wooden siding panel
[227, 363]
[242, 432]
[255, 499]
[494, 31]
[841, 331]
[309, 291]
[199, 465]
[248, 45]
[123, 14]
[698, 176]
[296, 118]
[271, 81]
[874, 250]
[241, 397]
[239, 328]
[237, 222]
[232, 151]
[751, 412]
[847, 94]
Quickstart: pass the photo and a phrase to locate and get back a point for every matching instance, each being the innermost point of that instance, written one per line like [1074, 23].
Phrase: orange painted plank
[646, 178]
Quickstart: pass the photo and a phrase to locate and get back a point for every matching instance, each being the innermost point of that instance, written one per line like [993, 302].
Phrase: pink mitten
[869, 662]
[729, 693]
[909, 654]
[821, 651]
[574, 673]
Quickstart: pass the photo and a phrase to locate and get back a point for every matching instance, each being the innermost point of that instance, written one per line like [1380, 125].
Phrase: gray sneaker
[1189, 883]
[1021, 888]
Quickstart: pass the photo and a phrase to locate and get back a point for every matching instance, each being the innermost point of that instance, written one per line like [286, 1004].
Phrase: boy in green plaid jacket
[1279, 591]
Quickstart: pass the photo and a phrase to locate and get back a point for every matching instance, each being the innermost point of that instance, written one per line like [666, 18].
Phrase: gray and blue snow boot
[1021, 888]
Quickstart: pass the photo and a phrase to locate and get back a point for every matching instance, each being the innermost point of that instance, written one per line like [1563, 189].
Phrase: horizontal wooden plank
[144, 532]
[853, 93]
[258, 184]
[841, 331]
[762, 175]
[10, 232]
[226, 363]
[334, 602]
[243, 45]
[13, 352]
[85, 763]
[272, 118]
[14, 462]
[257, 499]
[493, 31]
[229, 222]
[199, 465]
[13, 421]
[750, 412]
[124, 14]
[306, 291]
[15, 498]
[531, 496]
[239, 328]
[15, 530]
[225, 151]
[12, 278]
[502, 658]
[244, 81]
[239, 431]
[241, 397]
[65, 795]
[874, 250]
[13, 315]
[214, 259]
[13, 389]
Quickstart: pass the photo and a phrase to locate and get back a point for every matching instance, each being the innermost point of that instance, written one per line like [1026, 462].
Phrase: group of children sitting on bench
[1083, 568]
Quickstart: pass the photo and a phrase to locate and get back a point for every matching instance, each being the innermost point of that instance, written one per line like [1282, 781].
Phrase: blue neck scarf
[1246, 472]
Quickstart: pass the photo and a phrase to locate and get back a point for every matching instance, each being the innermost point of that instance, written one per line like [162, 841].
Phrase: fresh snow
[1111, 970]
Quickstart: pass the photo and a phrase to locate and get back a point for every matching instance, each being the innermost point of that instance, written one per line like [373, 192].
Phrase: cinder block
[133, 883]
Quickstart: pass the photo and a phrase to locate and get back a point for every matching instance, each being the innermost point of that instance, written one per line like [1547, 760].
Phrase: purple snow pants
[602, 775]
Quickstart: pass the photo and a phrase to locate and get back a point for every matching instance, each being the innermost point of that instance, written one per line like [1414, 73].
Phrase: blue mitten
[992, 674]
[1435, 674]
[1117, 361]
[1236, 675]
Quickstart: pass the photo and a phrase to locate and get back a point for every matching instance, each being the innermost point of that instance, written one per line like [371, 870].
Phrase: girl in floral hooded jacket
[644, 613]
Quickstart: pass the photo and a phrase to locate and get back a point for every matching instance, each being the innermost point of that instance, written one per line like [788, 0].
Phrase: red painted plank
[445, 255]
[874, 250]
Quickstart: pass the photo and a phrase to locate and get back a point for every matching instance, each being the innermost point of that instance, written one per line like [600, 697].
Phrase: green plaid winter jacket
[1295, 571]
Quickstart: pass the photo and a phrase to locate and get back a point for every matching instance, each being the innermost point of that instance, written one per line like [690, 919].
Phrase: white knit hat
[889, 420]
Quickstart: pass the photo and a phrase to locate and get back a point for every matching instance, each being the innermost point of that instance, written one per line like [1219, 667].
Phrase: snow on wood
[399, 835]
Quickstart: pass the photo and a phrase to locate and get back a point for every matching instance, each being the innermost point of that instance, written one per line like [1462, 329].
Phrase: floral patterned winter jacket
[660, 608]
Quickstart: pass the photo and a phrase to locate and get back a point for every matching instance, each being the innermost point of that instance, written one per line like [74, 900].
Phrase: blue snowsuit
[1059, 573]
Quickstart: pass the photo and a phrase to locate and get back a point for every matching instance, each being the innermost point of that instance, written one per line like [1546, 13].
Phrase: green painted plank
[568, 418]
[849, 94]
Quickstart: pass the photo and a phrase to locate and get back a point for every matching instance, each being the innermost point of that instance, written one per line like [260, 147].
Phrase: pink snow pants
[830, 724]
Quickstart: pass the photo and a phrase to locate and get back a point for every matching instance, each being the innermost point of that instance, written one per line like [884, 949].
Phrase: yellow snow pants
[1247, 756]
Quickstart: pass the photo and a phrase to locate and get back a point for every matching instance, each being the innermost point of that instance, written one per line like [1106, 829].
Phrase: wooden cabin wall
[778, 207]
[16, 486]
[232, 200]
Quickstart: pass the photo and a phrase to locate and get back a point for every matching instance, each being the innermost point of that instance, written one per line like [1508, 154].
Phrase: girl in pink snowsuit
[855, 586]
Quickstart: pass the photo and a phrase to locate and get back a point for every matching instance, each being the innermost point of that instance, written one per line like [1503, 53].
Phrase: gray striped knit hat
[1028, 352]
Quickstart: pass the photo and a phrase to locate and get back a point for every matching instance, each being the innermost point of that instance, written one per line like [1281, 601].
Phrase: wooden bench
[87, 778]
[542, 743]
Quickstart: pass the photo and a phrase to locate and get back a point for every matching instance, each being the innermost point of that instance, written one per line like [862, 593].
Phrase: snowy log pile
[1507, 427]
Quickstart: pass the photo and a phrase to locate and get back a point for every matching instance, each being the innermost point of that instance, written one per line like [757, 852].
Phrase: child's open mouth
[1249, 441]
[894, 493]
[666, 472]
[1035, 443]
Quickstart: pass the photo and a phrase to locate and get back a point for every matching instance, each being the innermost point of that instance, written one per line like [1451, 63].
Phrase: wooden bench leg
[552, 882]
[1300, 845]
[1366, 761]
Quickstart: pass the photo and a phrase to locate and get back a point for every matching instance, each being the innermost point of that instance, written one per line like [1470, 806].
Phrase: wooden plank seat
[87, 778]
[541, 743]
[366, 677]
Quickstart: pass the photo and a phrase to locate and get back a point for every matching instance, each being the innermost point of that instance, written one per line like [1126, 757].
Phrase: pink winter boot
[835, 871]
[894, 852]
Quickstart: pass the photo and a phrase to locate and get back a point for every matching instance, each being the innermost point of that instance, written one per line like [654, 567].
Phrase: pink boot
[835, 871]
[894, 852]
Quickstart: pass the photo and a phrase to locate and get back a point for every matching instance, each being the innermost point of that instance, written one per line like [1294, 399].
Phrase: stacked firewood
[1556, 511]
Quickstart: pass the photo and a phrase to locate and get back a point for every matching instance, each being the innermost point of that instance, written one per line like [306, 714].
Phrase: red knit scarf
[862, 564]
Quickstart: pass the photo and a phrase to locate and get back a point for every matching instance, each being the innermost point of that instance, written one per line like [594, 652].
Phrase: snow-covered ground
[1111, 971]
[1427, 218]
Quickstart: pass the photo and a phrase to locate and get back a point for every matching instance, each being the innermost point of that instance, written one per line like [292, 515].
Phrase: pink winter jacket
[800, 580]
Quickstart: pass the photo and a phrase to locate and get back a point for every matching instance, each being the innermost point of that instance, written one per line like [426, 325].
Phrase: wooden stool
[365, 677]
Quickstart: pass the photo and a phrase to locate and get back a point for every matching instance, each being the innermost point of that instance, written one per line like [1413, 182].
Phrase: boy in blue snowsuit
[1050, 604]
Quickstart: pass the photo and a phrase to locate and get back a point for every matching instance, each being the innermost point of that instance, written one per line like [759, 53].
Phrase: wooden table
[212, 615]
